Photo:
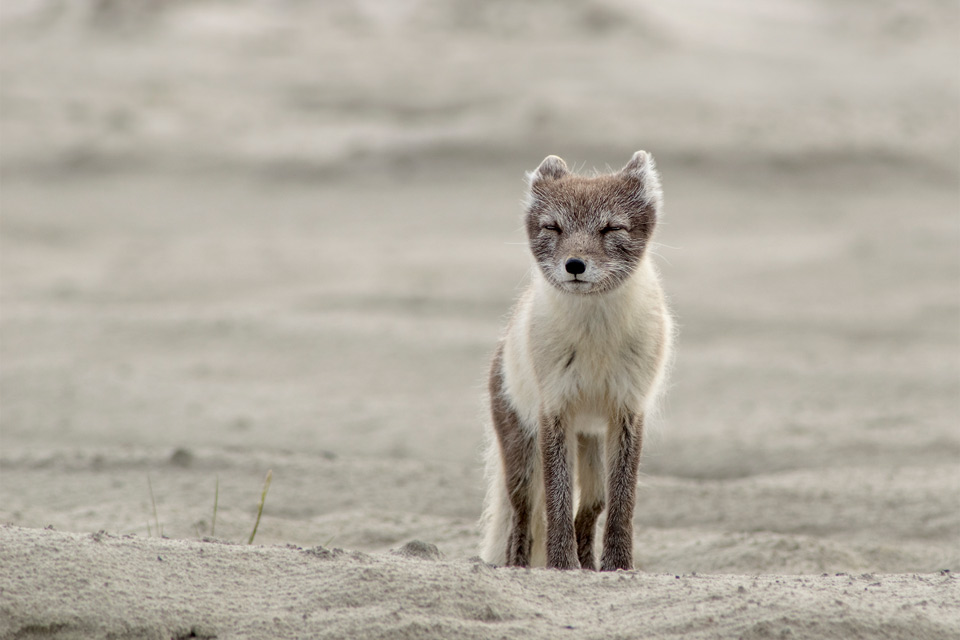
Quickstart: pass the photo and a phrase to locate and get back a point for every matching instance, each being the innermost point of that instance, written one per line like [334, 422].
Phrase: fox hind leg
[518, 456]
[590, 481]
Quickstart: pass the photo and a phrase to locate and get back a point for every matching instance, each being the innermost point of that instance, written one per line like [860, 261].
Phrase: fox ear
[552, 168]
[642, 172]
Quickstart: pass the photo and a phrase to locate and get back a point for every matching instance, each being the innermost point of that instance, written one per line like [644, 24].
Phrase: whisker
[659, 255]
[526, 276]
[660, 244]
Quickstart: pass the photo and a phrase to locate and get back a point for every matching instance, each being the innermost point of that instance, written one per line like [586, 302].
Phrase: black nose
[575, 266]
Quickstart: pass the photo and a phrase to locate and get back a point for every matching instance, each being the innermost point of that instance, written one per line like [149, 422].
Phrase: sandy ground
[96, 585]
[268, 236]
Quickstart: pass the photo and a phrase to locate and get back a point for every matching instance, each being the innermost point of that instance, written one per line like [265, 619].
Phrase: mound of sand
[98, 585]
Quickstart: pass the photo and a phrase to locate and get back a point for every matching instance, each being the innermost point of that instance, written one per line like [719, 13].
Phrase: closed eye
[551, 227]
[611, 229]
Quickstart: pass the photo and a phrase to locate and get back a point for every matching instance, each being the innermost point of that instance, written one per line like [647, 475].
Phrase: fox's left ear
[641, 172]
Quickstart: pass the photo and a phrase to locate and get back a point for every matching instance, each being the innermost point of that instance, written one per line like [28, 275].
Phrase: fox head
[588, 234]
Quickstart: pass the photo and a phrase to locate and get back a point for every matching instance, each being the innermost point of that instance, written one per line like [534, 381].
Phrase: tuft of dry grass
[216, 500]
[263, 498]
[153, 503]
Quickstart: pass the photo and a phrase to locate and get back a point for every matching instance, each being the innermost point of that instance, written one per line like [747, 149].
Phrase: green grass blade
[263, 498]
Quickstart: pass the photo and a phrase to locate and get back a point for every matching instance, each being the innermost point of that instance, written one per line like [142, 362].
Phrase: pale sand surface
[263, 236]
[79, 586]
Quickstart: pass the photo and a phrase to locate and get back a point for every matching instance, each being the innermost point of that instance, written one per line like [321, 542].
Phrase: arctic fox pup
[580, 364]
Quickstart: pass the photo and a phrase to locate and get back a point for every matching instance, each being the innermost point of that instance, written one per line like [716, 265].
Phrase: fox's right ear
[552, 168]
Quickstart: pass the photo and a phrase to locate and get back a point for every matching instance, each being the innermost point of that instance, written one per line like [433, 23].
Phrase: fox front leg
[558, 488]
[624, 442]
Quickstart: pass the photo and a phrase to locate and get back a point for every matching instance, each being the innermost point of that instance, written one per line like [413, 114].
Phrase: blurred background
[278, 233]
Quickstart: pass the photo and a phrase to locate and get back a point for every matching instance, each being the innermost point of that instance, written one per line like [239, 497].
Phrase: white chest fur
[587, 356]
